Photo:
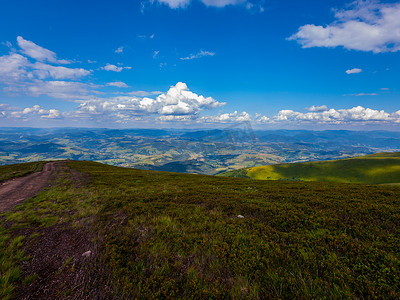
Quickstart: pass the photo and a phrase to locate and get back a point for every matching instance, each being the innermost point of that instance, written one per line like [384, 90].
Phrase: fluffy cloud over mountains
[178, 101]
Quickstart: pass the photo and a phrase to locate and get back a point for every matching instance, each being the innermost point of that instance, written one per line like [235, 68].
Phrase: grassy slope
[18, 170]
[370, 169]
[178, 235]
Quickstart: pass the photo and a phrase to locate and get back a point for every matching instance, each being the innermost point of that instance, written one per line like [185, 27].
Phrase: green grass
[18, 170]
[11, 256]
[168, 235]
[380, 168]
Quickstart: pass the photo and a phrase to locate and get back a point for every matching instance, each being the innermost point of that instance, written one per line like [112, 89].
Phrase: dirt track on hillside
[19, 189]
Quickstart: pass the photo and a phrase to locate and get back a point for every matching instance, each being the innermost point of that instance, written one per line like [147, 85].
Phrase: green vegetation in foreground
[169, 235]
[380, 168]
[18, 170]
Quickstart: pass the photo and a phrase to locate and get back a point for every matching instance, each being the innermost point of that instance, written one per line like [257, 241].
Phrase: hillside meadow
[380, 168]
[18, 170]
[168, 235]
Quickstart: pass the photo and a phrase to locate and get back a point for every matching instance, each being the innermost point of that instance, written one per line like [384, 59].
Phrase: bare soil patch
[57, 267]
[60, 269]
[19, 189]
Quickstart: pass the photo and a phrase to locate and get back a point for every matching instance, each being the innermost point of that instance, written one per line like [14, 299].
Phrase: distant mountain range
[190, 151]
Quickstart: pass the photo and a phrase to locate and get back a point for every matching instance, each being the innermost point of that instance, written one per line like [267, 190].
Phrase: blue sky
[200, 63]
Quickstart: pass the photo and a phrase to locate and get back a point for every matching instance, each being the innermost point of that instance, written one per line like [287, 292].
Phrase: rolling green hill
[380, 168]
[177, 236]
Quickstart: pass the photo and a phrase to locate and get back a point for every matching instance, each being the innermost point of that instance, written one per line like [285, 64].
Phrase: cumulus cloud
[198, 55]
[353, 71]
[125, 109]
[118, 84]
[36, 110]
[259, 118]
[39, 53]
[341, 116]
[363, 25]
[179, 100]
[179, 103]
[227, 118]
[317, 108]
[114, 68]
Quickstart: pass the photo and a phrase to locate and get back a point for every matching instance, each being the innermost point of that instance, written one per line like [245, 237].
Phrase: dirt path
[18, 189]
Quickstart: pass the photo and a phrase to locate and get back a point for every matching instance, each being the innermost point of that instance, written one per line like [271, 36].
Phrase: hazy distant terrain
[189, 151]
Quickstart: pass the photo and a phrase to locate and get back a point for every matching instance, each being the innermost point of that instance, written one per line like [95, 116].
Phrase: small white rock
[87, 254]
[240, 216]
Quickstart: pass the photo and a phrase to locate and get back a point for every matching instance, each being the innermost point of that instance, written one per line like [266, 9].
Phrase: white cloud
[19, 75]
[143, 93]
[7, 44]
[175, 3]
[177, 104]
[39, 53]
[363, 94]
[198, 55]
[36, 110]
[119, 50]
[227, 118]
[13, 67]
[318, 108]
[332, 116]
[215, 3]
[175, 118]
[222, 3]
[45, 71]
[118, 84]
[364, 25]
[255, 7]
[114, 68]
[353, 71]
[67, 90]
[143, 36]
[131, 109]
[259, 118]
[155, 54]
[385, 89]
[179, 100]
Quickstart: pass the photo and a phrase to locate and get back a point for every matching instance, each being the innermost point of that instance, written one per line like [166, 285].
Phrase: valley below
[190, 151]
